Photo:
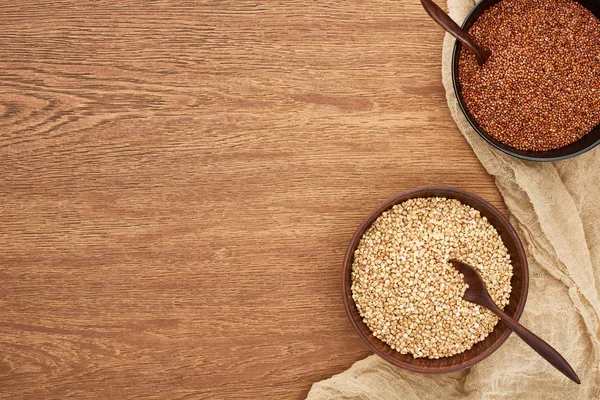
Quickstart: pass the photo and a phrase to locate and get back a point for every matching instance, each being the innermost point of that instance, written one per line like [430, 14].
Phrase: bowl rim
[366, 223]
[475, 125]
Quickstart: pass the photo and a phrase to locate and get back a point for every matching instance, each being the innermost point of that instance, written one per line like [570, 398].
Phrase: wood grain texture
[179, 182]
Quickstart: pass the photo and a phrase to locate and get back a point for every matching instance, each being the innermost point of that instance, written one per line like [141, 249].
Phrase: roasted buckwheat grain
[406, 291]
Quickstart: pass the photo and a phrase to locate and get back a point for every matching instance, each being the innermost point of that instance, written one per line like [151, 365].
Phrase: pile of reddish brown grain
[540, 89]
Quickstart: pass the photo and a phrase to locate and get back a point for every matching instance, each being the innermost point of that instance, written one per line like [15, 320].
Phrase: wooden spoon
[452, 28]
[478, 294]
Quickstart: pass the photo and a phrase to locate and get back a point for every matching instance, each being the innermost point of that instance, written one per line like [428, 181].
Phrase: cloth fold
[555, 208]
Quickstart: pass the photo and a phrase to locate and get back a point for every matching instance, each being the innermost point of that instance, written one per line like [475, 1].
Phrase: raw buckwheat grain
[540, 89]
[406, 291]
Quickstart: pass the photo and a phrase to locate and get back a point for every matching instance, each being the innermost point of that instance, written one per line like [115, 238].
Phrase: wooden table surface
[179, 181]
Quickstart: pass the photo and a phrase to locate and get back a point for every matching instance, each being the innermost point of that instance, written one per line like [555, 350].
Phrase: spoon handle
[452, 28]
[540, 346]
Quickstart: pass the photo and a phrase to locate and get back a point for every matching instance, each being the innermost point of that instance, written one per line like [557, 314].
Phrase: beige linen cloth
[555, 208]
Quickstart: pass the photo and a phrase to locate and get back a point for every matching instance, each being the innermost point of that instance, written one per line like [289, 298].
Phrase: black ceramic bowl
[584, 144]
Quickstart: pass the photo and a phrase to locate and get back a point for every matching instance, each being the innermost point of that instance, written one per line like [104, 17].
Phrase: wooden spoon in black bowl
[452, 28]
[478, 294]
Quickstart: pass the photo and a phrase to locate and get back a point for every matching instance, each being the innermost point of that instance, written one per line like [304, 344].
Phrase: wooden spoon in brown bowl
[444, 20]
[477, 293]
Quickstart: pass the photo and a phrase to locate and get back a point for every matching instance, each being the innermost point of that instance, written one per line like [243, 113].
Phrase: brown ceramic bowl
[518, 296]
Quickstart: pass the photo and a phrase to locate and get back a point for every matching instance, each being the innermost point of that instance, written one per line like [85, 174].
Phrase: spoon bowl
[476, 291]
